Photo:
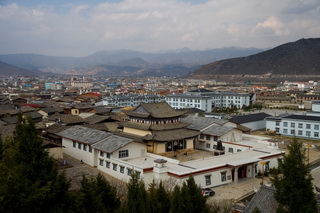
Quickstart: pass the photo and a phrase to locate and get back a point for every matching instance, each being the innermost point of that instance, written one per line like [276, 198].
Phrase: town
[166, 129]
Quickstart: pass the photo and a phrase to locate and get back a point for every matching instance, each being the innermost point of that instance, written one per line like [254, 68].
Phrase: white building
[181, 101]
[131, 100]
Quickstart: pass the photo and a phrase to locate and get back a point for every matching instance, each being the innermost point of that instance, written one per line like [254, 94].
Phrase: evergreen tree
[136, 198]
[29, 179]
[97, 195]
[157, 199]
[294, 191]
[176, 201]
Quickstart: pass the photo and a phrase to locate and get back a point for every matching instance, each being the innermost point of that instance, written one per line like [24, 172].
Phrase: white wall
[256, 125]
[77, 153]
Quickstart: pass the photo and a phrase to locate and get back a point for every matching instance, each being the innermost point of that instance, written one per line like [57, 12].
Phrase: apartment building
[181, 101]
[131, 100]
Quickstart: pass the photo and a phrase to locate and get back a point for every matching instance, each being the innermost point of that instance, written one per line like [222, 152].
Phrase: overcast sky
[80, 27]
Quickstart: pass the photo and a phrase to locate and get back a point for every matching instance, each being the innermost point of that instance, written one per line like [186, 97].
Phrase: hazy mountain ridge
[9, 70]
[295, 58]
[179, 62]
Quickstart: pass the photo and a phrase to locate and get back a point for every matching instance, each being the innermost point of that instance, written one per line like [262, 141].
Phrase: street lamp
[263, 163]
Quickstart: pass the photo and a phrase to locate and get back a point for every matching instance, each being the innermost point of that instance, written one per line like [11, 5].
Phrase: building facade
[131, 100]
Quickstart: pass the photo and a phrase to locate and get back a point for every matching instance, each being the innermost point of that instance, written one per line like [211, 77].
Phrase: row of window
[82, 146]
[208, 145]
[300, 125]
[300, 132]
[208, 178]
[121, 168]
[208, 137]
[122, 154]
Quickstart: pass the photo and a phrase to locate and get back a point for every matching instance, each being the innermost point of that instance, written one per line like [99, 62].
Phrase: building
[131, 100]
[253, 121]
[182, 101]
[158, 145]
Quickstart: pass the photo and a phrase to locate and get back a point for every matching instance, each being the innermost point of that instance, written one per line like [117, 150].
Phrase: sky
[82, 27]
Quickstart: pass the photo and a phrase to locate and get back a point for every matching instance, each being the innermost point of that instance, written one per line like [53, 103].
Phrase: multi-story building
[131, 100]
[181, 101]
[304, 126]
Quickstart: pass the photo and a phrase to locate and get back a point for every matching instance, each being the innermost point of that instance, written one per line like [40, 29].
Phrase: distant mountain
[295, 58]
[178, 62]
[9, 70]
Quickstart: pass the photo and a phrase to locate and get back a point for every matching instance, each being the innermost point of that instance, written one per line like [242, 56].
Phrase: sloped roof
[217, 130]
[303, 117]
[264, 200]
[155, 110]
[249, 118]
[68, 119]
[171, 135]
[201, 90]
[84, 134]
[199, 123]
[167, 126]
[94, 119]
[112, 143]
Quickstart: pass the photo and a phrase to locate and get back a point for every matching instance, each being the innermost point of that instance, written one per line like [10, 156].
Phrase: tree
[294, 191]
[30, 181]
[97, 195]
[136, 198]
[157, 199]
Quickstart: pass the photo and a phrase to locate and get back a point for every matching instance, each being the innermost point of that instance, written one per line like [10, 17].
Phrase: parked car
[207, 192]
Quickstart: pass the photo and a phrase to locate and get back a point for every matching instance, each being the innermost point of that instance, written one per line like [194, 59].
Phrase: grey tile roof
[217, 130]
[171, 135]
[264, 200]
[94, 119]
[249, 118]
[84, 134]
[112, 143]
[303, 117]
[167, 126]
[199, 123]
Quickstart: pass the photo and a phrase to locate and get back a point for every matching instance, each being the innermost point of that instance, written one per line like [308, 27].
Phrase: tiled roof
[263, 200]
[171, 135]
[167, 126]
[112, 143]
[68, 119]
[303, 117]
[217, 130]
[94, 119]
[84, 134]
[199, 123]
[249, 118]
[155, 110]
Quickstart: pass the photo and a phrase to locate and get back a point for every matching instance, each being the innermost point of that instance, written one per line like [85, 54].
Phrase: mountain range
[126, 62]
[295, 58]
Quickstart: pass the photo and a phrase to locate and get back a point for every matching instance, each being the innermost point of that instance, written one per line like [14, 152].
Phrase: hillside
[296, 58]
[126, 62]
[9, 70]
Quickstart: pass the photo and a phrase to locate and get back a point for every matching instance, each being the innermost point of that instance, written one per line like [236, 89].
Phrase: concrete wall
[77, 153]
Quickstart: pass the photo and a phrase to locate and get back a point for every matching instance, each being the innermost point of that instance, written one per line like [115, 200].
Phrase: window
[114, 166]
[308, 133]
[108, 164]
[300, 132]
[100, 162]
[129, 171]
[108, 155]
[208, 180]
[223, 176]
[208, 145]
[74, 144]
[101, 154]
[201, 136]
[316, 127]
[308, 126]
[285, 131]
[300, 125]
[138, 174]
[238, 150]
[90, 149]
[123, 153]
[267, 166]
[285, 124]
[84, 147]
[316, 134]
[292, 132]
[230, 150]
[122, 169]
[79, 145]
[293, 125]
[277, 123]
[208, 137]
[277, 130]
[215, 138]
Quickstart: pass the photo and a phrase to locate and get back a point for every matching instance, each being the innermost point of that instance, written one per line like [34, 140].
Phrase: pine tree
[136, 198]
[294, 191]
[29, 179]
[163, 199]
[97, 195]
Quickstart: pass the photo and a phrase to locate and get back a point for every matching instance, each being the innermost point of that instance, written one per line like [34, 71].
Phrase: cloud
[273, 23]
[153, 25]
